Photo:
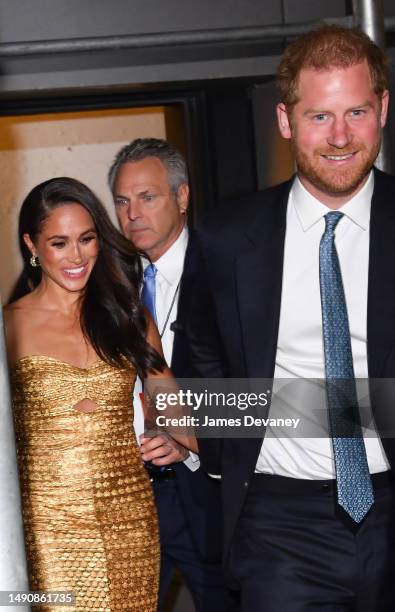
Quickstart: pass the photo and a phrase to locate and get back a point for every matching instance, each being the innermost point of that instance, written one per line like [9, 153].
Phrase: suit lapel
[180, 353]
[381, 288]
[259, 271]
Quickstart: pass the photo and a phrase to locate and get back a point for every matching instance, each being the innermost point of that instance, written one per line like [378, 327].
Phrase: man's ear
[384, 108]
[183, 197]
[29, 244]
[284, 124]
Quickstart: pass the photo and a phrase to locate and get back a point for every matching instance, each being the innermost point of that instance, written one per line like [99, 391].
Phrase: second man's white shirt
[167, 289]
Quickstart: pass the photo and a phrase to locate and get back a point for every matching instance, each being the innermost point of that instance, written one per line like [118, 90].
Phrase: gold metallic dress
[90, 519]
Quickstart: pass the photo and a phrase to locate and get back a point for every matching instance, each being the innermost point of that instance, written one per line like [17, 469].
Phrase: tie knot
[150, 271]
[331, 220]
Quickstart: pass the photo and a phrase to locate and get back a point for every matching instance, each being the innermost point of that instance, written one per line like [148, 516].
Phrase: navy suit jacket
[234, 316]
[200, 494]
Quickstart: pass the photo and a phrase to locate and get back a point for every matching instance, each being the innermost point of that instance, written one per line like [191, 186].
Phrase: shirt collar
[171, 264]
[310, 210]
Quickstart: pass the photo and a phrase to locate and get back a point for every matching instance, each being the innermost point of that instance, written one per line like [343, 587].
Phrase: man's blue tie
[148, 297]
[354, 486]
[148, 293]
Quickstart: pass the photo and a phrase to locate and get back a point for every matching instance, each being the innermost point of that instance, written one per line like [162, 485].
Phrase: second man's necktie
[354, 486]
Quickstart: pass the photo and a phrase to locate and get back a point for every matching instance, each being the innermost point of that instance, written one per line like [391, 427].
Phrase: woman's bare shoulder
[18, 312]
[15, 311]
[16, 307]
[17, 325]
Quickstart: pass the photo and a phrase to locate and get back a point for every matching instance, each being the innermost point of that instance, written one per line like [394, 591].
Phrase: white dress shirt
[167, 288]
[168, 278]
[300, 352]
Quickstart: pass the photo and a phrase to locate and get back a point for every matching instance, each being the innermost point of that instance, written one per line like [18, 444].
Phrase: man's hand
[162, 450]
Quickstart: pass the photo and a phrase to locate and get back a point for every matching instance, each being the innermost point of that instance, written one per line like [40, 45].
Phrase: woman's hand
[179, 439]
[162, 449]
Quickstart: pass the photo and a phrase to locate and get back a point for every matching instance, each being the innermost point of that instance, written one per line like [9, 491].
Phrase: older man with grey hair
[149, 183]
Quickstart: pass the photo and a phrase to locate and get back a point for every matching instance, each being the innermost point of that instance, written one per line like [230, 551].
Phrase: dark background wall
[24, 20]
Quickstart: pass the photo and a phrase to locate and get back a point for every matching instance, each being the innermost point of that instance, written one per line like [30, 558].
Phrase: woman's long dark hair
[112, 317]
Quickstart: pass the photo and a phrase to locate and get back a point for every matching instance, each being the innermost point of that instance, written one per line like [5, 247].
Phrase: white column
[369, 15]
[13, 571]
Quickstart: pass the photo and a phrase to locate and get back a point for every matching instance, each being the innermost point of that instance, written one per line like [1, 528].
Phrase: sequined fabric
[89, 514]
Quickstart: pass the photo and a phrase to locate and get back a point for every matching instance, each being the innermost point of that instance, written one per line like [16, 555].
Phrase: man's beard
[336, 181]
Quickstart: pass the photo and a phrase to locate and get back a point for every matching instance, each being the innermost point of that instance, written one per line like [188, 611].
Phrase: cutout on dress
[85, 405]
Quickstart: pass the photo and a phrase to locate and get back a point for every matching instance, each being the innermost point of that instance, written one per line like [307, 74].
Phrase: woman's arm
[164, 383]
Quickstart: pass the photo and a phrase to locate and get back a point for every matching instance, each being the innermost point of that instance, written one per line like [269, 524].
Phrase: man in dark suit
[298, 282]
[149, 183]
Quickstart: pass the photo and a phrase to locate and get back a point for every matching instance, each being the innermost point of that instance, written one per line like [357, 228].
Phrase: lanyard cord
[169, 310]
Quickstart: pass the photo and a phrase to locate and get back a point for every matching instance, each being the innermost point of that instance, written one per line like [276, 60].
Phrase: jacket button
[245, 483]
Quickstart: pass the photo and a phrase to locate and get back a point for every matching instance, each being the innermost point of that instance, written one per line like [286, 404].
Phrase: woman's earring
[34, 261]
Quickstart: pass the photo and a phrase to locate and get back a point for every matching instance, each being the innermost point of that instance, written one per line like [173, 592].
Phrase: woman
[75, 343]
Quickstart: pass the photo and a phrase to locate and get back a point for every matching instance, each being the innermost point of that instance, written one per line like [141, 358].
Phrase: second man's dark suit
[198, 494]
[235, 314]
